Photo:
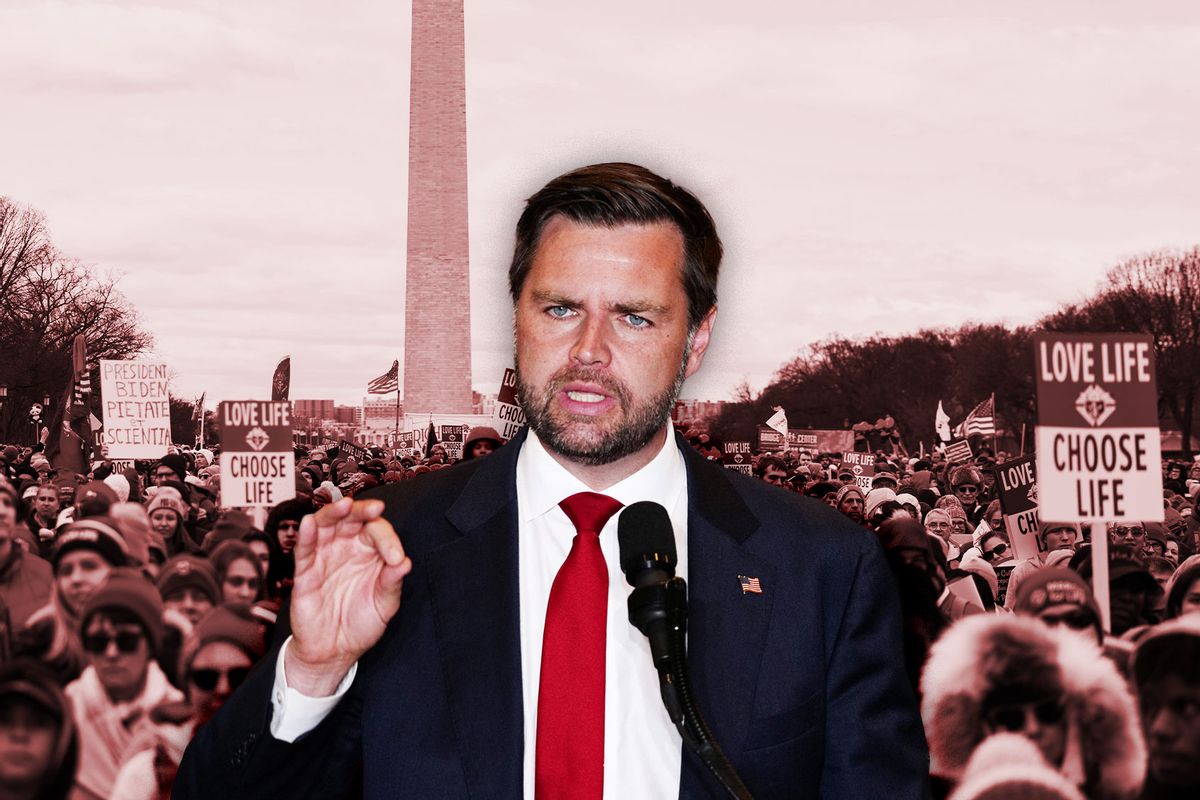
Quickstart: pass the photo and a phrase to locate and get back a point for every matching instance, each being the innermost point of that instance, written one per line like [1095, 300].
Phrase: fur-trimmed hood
[980, 651]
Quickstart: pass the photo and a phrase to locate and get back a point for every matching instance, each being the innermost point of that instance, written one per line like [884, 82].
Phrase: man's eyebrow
[640, 307]
[545, 296]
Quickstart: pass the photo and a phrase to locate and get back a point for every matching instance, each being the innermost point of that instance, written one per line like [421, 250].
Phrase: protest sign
[863, 467]
[507, 417]
[1003, 573]
[958, 451]
[136, 408]
[405, 444]
[736, 456]
[1098, 447]
[1017, 484]
[451, 438]
[354, 451]
[258, 464]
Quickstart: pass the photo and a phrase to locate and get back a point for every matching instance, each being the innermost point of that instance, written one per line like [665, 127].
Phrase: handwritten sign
[1098, 447]
[258, 464]
[136, 408]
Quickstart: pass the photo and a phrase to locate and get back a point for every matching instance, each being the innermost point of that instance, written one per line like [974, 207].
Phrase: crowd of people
[132, 605]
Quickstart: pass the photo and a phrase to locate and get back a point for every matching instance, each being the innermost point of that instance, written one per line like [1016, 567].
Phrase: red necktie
[570, 717]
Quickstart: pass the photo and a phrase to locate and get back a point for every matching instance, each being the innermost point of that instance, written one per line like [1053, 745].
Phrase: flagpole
[995, 419]
[396, 428]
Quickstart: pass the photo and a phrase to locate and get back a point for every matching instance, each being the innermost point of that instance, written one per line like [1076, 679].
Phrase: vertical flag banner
[941, 423]
[137, 409]
[281, 381]
[778, 421]
[1098, 448]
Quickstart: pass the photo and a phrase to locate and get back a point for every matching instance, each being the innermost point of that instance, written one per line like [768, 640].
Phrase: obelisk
[437, 303]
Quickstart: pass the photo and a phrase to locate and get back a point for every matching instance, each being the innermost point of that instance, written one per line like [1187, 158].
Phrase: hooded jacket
[1105, 751]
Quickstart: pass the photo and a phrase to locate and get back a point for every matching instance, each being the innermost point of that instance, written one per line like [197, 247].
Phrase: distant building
[696, 410]
[350, 415]
[315, 409]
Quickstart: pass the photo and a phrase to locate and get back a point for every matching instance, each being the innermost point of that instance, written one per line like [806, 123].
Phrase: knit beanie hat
[232, 525]
[99, 534]
[166, 497]
[177, 463]
[1008, 766]
[224, 623]
[129, 590]
[845, 491]
[120, 486]
[1187, 573]
[1045, 526]
[94, 498]
[134, 525]
[37, 461]
[875, 498]
[184, 571]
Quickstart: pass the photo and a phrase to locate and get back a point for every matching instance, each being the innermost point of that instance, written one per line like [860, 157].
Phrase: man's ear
[700, 340]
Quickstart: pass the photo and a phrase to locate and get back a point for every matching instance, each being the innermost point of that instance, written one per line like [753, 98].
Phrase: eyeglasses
[127, 641]
[966, 489]
[998, 550]
[1015, 718]
[1135, 532]
[289, 524]
[207, 679]
[237, 582]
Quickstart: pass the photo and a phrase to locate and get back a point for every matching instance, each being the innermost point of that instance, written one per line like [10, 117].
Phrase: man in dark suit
[431, 681]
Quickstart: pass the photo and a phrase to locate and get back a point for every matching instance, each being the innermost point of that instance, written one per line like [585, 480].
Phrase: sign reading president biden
[258, 464]
[1098, 450]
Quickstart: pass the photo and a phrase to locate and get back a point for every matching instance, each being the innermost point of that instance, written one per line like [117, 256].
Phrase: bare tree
[46, 299]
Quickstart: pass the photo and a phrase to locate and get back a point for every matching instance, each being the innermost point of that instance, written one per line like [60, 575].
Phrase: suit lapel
[727, 627]
[473, 584]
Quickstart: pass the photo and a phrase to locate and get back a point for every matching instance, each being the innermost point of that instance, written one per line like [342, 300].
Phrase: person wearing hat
[168, 513]
[1060, 597]
[997, 673]
[990, 774]
[851, 502]
[25, 578]
[1183, 589]
[1167, 680]
[1052, 536]
[188, 584]
[39, 749]
[283, 527]
[122, 630]
[480, 442]
[84, 554]
[216, 657]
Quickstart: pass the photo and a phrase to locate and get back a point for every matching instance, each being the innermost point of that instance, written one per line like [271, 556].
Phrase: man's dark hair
[625, 194]
[767, 462]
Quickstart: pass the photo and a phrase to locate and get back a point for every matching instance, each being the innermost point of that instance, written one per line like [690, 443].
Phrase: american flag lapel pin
[750, 585]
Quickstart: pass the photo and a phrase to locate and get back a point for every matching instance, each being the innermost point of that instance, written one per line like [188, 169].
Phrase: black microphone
[658, 608]
[658, 603]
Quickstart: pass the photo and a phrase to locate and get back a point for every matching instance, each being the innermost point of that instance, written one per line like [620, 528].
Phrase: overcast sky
[872, 167]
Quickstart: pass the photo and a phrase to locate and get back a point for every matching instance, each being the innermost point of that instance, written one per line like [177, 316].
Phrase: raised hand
[349, 570]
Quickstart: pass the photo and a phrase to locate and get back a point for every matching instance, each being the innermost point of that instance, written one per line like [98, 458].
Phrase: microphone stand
[667, 603]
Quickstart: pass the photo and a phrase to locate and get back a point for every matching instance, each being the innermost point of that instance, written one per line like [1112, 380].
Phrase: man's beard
[561, 432]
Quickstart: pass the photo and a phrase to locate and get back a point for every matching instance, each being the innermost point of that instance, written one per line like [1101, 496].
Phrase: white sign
[136, 408]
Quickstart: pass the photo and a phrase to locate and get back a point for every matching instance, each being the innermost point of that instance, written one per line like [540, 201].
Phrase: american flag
[981, 420]
[750, 585]
[81, 371]
[387, 382]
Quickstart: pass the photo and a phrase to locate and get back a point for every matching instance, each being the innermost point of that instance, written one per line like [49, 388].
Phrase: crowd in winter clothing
[132, 604]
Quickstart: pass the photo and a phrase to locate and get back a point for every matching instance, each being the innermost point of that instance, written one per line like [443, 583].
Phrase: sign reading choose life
[1098, 449]
[258, 464]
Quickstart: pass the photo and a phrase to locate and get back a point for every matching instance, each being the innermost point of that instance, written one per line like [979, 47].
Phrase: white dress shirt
[642, 749]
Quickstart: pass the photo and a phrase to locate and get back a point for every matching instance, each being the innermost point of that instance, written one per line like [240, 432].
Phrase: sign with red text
[507, 416]
[258, 464]
[136, 408]
[1016, 481]
[737, 456]
[1098, 447]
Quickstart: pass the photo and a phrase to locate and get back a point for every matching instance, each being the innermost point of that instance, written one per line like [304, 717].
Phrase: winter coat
[1105, 751]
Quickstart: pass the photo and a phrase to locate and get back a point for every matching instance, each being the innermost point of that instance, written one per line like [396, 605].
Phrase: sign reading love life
[1098, 448]
[258, 464]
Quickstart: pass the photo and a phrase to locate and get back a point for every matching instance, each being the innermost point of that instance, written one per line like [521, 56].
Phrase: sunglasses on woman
[207, 679]
[1015, 718]
[127, 641]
